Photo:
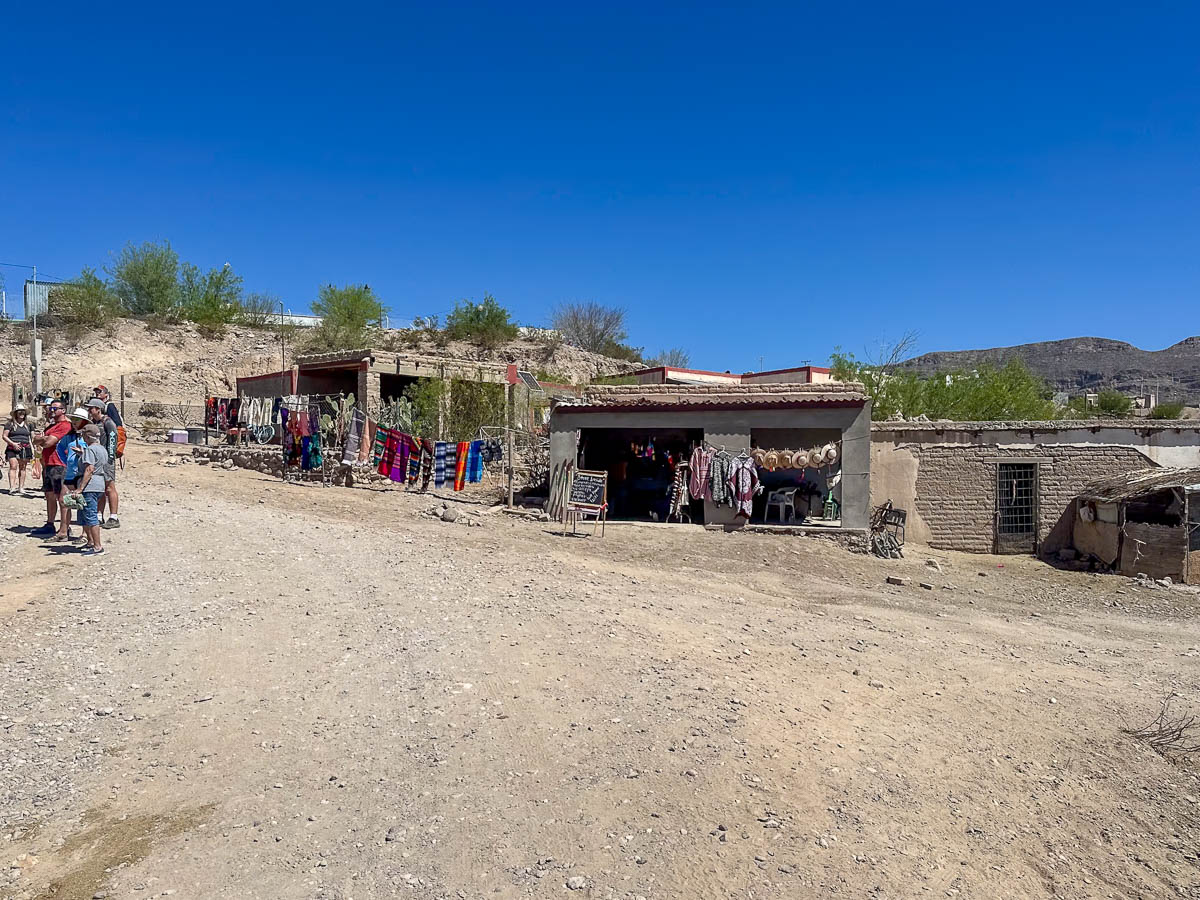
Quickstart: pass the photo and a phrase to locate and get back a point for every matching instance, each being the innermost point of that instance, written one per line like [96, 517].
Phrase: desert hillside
[178, 364]
[1084, 364]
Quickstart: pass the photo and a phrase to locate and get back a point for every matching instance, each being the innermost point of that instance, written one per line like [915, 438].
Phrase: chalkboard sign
[588, 489]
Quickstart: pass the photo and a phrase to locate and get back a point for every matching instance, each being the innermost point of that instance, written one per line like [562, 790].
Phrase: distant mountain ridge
[1081, 364]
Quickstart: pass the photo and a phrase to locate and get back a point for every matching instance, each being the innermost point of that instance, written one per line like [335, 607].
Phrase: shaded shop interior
[808, 444]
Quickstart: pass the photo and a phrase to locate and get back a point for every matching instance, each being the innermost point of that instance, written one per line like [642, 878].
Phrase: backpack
[120, 441]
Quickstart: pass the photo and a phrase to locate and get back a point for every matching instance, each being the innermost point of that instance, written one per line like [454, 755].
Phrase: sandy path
[323, 694]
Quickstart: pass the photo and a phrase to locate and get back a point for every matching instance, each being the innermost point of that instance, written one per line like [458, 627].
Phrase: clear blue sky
[746, 182]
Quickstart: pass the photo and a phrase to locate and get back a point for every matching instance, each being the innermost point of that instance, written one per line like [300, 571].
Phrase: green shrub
[487, 324]
[1167, 411]
[1113, 404]
[145, 280]
[350, 318]
[259, 310]
[86, 302]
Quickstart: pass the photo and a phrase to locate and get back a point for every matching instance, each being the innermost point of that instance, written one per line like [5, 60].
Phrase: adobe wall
[949, 490]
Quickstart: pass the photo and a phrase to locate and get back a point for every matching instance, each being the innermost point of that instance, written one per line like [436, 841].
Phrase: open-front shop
[780, 455]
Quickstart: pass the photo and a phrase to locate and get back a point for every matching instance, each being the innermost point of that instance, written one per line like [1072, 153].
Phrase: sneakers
[111, 522]
[92, 551]
[46, 529]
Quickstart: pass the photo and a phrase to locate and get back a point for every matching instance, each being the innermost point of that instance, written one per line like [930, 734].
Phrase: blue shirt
[70, 458]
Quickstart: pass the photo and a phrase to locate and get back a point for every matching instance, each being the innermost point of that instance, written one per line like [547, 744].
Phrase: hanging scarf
[460, 465]
[439, 464]
[427, 451]
[475, 462]
[399, 468]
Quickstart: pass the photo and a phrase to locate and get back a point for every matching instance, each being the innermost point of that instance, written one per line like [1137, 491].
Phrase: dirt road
[272, 691]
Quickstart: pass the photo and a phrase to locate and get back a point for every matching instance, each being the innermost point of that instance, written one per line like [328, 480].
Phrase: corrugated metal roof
[1116, 488]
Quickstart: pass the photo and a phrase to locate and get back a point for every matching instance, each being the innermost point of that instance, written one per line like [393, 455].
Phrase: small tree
[675, 357]
[349, 315]
[85, 301]
[590, 326]
[1114, 404]
[145, 279]
[1167, 411]
[211, 299]
[487, 324]
[259, 310]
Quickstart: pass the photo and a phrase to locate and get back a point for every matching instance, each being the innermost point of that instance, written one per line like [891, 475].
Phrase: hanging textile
[718, 478]
[399, 468]
[379, 446]
[475, 462]
[439, 464]
[460, 465]
[388, 456]
[210, 412]
[743, 484]
[701, 463]
[427, 451]
[679, 492]
[354, 437]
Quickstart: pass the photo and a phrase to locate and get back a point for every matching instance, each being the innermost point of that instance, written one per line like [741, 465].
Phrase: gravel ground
[277, 691]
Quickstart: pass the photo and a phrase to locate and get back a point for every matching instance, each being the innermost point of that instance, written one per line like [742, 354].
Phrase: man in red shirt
[53, 467]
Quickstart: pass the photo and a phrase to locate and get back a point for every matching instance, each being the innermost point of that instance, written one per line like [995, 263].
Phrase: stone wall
[955, 497]
[269, 461]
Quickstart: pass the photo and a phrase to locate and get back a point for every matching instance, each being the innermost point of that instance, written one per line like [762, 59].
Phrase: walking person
[18, 447]
[97, 413]
[53, 467]
[90, 487]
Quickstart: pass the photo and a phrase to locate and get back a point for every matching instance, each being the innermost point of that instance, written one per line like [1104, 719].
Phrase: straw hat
[785, 459]
[815, 458]
[799, 459]
[20, 407]
[771, 460]
[760, 458]
[832, 453]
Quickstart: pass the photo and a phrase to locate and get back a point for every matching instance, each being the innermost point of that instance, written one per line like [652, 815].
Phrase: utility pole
[282, 341]
[35, 346]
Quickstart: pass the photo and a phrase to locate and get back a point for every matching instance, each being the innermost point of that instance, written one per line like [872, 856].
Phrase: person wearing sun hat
[90, 486]
[52, 465]
[18, 447]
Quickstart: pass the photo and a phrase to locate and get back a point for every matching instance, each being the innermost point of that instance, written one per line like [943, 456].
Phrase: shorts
[52, 479]
[23, 453]
[109, 472]
[89, 517]
[72, 485]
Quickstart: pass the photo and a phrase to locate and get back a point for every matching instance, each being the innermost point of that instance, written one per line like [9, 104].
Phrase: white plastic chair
[786, 501]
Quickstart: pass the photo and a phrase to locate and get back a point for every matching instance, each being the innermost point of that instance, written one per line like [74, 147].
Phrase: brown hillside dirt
[1077, 365]
[176, 364]
[287, 691]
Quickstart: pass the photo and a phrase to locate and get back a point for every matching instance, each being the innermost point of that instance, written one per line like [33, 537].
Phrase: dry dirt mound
[178, 364]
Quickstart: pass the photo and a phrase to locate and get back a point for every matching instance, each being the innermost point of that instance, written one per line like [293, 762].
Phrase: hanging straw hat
[771, 460]
[799, 459]
[815, 458]
[832, 452]
[785, 459]
[760, 458]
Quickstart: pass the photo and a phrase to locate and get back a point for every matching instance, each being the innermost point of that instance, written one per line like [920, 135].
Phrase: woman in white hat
[18, 447]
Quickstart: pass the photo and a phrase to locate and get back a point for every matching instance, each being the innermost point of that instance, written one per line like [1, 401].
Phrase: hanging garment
[475, 462]
[460, 465]
[701, 463]
[399, 469]
[743, 485]
[210, 412]
[414, 465]
[379, 446]
[367, 445]
[233, 408]
[316, 458]
[439, 464]
[389, 454]
[679, 492]
[427, 451]
[718, 478]
[354, 436]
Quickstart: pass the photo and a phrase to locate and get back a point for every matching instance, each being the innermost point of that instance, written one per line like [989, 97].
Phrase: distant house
[676, 375]
[37, 296]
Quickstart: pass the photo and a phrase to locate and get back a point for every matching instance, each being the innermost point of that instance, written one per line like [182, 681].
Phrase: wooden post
[512, 391]
[122, 398]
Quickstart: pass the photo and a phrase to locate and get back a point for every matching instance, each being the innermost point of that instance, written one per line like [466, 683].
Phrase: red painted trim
[716, 407]
[685, 371]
